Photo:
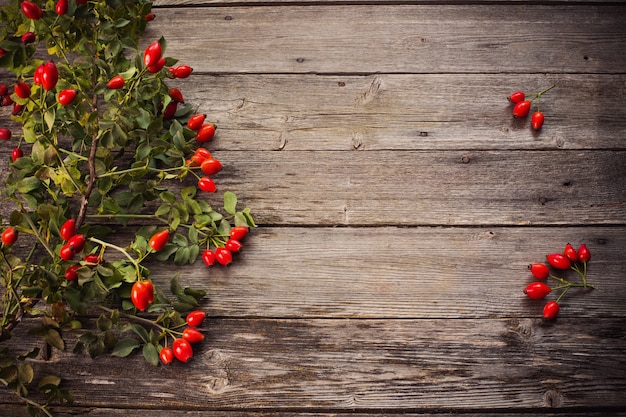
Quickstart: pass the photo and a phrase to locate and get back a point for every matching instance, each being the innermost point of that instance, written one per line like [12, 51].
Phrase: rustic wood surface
[398, 206]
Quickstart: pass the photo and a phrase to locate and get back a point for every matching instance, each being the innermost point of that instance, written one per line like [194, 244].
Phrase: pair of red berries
[523, 103]
[6, 100]
[571, 259]
[181, 347]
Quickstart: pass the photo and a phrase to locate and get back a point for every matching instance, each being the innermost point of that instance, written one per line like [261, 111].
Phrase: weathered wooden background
[398, 205]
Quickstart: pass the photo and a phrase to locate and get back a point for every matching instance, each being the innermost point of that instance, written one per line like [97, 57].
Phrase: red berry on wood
[537, 290]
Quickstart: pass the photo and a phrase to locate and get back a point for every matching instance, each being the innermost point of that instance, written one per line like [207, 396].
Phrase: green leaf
[150, 354]
[54, 339]
[26, 373]
[230, 202]
[28, 184]
[125, 347]
[49, 382]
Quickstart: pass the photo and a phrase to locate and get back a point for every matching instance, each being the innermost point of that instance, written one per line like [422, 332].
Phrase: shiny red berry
[516, 97]
[583, 253]
[571, 253]
[551, 310]
[536, 120]
[537, 290]
[539, 271]
[521, 109]
[559, 261]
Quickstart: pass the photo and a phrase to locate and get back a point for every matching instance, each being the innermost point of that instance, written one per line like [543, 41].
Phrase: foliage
[110, 157]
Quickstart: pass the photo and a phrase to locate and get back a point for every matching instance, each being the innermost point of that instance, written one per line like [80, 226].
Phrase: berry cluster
[181, 346]
[522, 105]
[575, 260]
[225, 247]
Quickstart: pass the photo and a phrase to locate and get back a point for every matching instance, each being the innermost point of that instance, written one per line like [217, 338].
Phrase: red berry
[16, 154]
[142, 294]
[150, 17]
[193, 335]
[29, 37]
[49, 76]
[9, 236]
[195, 318]
[17, 108]
[152, 55]
[233, 245]
[521, 109]
[206, 184]
[92, 260]
[203, 153]
[539, 271]
[223, 256]
[182, 71]
[38, 74]
[238, 232]
[571, 253]
[61, 7]
[5, 134]
[22, 90]
[71, 274]
[516, 97]
[182, 350]
[31, 10]
[67, 253]
[206, 132]
[170, 110]
[4, 89]
[159, 240]
[208, 257]
[68, 229]
[583, 253]
[176, 95]
[537, 290]
[166, 355]
[551, 310]
[76, 243]
[559, 261]
[116, 82]
[536, 121]
[211, 166]
[66, 96]
[6, 101]
[195, 121]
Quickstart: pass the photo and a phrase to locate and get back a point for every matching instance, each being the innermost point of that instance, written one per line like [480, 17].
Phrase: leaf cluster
[109, 160]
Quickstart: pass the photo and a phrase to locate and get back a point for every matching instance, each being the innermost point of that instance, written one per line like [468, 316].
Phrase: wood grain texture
[364, 365]
[366, 39]
[399, 205]
[266, 112]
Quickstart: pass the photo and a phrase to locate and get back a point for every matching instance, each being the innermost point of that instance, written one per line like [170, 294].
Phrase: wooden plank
[396, 38]
[185, 3]
[401, 273]
[425, 188]
[391, 366]
[405, 273]
[408, 111]
[429, 188]
[264, 112]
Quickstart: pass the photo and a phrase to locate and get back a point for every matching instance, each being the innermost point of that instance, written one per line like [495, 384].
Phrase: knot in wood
[552, 399]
